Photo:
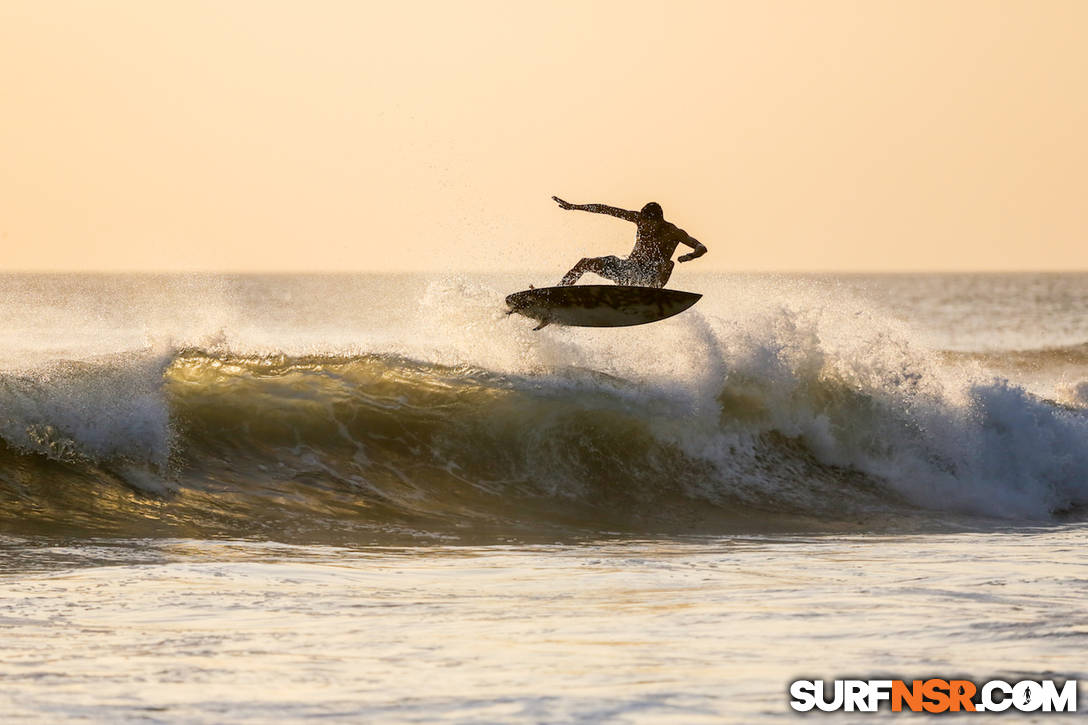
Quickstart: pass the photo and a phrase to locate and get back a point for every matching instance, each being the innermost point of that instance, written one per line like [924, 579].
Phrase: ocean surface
[378, 498]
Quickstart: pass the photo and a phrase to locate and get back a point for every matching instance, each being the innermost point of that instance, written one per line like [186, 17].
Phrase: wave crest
[766, 427]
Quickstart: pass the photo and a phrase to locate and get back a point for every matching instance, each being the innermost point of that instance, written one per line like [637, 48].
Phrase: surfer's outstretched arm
[631, 216]
[695, 244]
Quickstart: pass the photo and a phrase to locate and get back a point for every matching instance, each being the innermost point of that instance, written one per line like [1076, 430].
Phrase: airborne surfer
[650, 262]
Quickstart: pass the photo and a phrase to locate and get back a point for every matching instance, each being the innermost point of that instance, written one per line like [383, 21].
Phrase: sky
[275, 136]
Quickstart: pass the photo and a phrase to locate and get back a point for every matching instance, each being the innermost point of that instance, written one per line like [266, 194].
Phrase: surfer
[650, 262]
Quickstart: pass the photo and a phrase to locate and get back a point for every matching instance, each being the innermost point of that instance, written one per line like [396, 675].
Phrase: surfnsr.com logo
[934, 695]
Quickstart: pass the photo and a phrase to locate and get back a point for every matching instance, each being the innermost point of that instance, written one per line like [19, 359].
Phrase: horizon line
[334, 272]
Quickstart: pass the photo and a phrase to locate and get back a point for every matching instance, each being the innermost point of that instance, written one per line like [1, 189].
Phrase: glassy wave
[205, 442]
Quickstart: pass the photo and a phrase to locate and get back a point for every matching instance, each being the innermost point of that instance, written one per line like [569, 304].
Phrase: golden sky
[299, 136]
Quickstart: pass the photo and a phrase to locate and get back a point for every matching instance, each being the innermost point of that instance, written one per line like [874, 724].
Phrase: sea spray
[774, 403]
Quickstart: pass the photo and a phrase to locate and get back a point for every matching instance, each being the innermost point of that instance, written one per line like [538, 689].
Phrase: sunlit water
[355, 499]
[620, 631]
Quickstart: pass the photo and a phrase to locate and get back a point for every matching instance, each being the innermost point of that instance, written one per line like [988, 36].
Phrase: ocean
[379, 498]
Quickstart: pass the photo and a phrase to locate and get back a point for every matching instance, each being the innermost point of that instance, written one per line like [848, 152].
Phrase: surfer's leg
[648, 274]
[663, 274]
[614, 269]
[574, 274]
[608, 267]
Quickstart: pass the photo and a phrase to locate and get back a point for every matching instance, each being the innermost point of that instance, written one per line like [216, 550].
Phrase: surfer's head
[652, 211]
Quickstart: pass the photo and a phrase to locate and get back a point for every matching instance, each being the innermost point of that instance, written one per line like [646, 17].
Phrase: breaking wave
[760, 428]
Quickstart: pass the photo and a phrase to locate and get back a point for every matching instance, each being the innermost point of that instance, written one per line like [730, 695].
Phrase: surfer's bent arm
[695, 244]
[631, 216]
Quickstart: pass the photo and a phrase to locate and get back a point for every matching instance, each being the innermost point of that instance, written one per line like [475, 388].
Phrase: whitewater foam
[778, 401]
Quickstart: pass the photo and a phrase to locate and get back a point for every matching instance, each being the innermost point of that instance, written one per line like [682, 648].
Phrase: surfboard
[599, 305]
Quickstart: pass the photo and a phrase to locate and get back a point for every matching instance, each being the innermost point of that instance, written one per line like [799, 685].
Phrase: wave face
[791, 420]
